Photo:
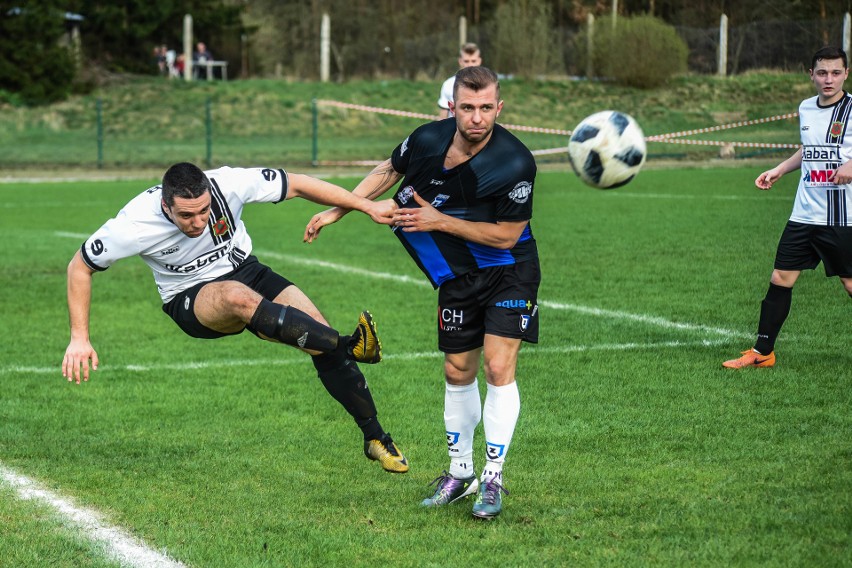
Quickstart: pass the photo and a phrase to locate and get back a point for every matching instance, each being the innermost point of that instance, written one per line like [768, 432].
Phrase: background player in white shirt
[469, 56]
[189, 232]
[820, 226]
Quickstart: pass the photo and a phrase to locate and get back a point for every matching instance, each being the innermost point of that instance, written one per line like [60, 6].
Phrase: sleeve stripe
[285, 182]
[89, 262]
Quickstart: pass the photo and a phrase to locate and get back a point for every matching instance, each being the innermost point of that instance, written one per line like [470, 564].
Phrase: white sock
[502, 407]
[493, 471]
[462, 413]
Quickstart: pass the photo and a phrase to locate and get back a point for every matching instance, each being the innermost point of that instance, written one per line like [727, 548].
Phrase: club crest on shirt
[221, 227]
[405, 194]
[836, 129]
[521, 192]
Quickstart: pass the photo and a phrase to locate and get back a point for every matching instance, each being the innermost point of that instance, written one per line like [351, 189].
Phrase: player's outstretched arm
[377, 183]
[426, 218]
[769, 177]
[78, 354]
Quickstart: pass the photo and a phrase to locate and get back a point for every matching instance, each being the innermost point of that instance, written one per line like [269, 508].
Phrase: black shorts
[802, 247]
[252, 273]
[501, 300]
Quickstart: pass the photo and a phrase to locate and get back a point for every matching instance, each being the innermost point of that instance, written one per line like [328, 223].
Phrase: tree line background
[384, 38]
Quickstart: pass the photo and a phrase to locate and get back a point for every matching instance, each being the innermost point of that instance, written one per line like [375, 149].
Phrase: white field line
[598, 312]
[758, 197]
[117, 544]
[528, 350]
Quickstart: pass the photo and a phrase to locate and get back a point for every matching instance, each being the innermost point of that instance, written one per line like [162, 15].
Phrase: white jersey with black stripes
[826, 144]
[178, 261]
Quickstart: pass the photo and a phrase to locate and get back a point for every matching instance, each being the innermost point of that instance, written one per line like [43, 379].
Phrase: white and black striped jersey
[826, 144]
[179, 262]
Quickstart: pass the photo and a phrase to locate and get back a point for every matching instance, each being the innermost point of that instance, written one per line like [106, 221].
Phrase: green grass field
[634, 446]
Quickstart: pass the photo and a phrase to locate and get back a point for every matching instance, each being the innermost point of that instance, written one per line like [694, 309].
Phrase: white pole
[187, 47]
[462, 30]
[325, 49]
[590, 46]
[847, 31]
[723, 46]
[614, 12]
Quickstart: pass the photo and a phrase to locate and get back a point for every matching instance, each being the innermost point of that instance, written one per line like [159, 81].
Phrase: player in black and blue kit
[462, 212]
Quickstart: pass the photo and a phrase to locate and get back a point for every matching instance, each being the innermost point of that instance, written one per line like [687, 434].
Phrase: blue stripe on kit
[430, 256]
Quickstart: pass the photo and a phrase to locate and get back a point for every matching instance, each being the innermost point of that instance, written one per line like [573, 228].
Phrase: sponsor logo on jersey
[221, 227]
[403, 147]
[440, 200]
[405, 194]
[494, 451]
[436, 182]
[199, 262]
[170, 250]
[514, 304]
[821, 154]
[268, 174]
[521, 192]
[819, 177]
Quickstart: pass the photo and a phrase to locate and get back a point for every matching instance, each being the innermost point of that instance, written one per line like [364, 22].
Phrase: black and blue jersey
[494, 185]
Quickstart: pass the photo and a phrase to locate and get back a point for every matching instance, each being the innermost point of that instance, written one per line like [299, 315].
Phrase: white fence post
[325, 51]
[590, 46]
[723, 45]
[847, 31]
[187, 47]
[462, 30]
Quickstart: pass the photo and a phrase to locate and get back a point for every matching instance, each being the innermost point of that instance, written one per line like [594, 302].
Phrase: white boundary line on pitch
[641, 318]
[117, 544]
[242, 363]
[418, 281]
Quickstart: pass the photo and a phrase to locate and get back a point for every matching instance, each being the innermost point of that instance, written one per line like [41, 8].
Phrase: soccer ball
[607, 149]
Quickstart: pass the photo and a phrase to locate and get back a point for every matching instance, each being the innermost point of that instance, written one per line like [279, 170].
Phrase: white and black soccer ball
[607, 149]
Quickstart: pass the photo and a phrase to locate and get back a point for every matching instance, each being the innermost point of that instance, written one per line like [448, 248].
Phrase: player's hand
[842, 175]
[766, 179]
[423, 218]
[77, 357]
[320, 220]
[382, 212]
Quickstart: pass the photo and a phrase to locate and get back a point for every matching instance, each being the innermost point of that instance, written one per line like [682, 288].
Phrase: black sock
[293, 327]
[773, 312]
[344, 381]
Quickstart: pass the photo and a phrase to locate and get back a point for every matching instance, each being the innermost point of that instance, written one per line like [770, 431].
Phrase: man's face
[190, 215]
[470, 60]
[828, 77]
[476, 112]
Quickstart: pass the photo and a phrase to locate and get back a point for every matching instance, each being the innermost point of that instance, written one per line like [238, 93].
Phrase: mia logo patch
[403, 148]
[268, 174]
[453, 438]
[494, 451]
[525, 322]
[521, 192]
[221, 227]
